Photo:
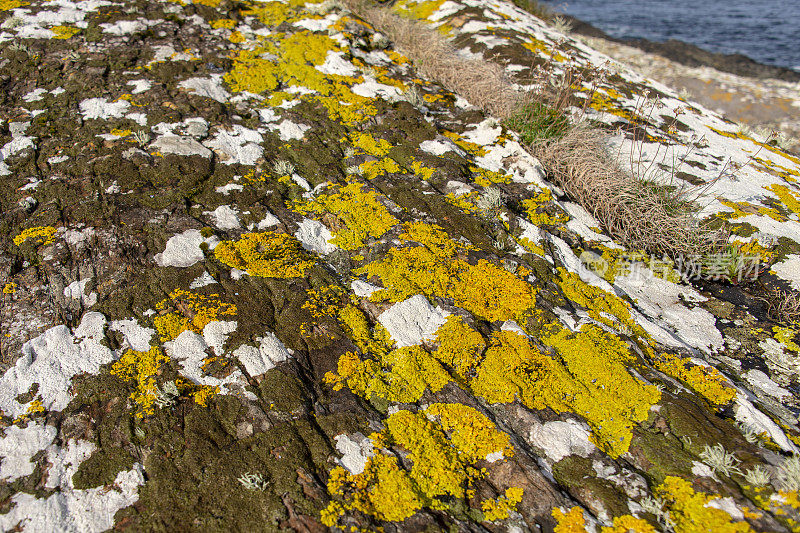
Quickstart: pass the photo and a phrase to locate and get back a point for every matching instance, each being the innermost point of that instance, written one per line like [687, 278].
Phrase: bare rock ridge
[257, 273]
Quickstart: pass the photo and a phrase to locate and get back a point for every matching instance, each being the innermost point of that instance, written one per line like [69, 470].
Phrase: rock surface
[250, 283]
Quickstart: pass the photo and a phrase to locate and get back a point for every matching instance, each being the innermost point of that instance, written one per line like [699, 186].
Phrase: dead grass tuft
[639, 213]
[482, 83]
[636, 211]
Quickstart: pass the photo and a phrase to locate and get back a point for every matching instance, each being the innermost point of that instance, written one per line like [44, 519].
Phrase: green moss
[102, 467]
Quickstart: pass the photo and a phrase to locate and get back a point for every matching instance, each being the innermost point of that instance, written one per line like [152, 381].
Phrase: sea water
[767, 31]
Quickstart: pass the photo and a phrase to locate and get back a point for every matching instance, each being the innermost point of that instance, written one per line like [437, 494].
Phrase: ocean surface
[767, 31]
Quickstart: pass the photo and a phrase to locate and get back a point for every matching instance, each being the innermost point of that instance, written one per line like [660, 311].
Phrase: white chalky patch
[209, 87]
[126, 27]
[289, 131]
[35, 95]
[268, 221]
[269, 353]
[436, 147]
[702, 470]
[19, 143]
[183, 250]
[191, 350]
[559, 439]
[662, 301]
[355, 452]
[510, 325]
[57, 159]
[238, 145]
[52, 359]
[138, 337]
[17, 447]
[524, 168]
[789, 269]
[140, 86]
[371, 89]
[484, 133]
[362, 288]
[335, 63]
[413, 321]
[202, 280]
[762, 382]
[314, 236]
[747, 413]
[225, 217]
[216, 333]
[101, 108]
[229, 188]
[317, 24]
[71, 510]
[77, 291]
[173, 144]
[728, 505]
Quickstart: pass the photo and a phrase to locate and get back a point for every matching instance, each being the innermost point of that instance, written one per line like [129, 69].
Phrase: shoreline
[691, 55]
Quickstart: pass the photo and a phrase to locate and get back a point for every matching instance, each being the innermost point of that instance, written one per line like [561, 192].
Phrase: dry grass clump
[641, 214]
[482, 83]
[636, 211]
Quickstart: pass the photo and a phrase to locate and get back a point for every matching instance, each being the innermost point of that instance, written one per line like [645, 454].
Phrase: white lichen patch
[560, 439]
[257, 361]
[185, 146]
[413, 321]
[136, 336]
[51, 360]
[315, 237]
[103, 109]
[183, 250]
[225, 217]
[70, 510]
[19, 445]
[208, 87]
[77, 291]
[355, 451]
[239, 145]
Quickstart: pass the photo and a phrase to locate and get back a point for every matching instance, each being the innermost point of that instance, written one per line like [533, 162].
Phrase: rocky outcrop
[258, 274]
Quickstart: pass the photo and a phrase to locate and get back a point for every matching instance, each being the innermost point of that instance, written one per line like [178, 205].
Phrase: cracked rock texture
[252, 281]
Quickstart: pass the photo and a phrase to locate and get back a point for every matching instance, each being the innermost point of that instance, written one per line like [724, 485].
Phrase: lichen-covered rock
[259, 274]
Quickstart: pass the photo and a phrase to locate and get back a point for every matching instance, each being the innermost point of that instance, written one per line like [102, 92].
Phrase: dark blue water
[767, 31]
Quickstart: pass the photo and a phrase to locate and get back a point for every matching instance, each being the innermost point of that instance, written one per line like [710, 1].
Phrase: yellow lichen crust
[442, 443]
[498, 509]
[359, 213]
[186, 310]
[574, 522]
[10, 288]
[689, 511]
[460, 346]
[433, 268]
[266, 255]
[40, 235]
[708, 381]
[141, 368]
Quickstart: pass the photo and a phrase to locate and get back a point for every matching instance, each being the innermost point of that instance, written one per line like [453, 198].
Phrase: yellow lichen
[443, 443]
[534, 208]
[359, 213]
[707, 381]
[380, 167]
[433, 269]
[266, 255]
[41, 235]
[185, 310]
[418, 9]
[205, 393]
[141, 368]
[786, 196]
[690, 512]
[499, 508]
[460, 346]
[6, 5]
[64, 32]
[227, 24]
[574, 522]
[10, 288]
